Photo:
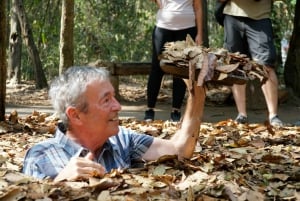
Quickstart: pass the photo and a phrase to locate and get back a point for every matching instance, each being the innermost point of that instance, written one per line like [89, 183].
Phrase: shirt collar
[76, 149]
[73, 148]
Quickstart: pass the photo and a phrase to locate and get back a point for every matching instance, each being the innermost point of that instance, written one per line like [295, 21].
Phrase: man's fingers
[96, 171]
[85, 167]
[90, 156]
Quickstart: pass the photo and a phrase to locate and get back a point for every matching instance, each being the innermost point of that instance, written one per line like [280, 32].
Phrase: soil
[25, 99]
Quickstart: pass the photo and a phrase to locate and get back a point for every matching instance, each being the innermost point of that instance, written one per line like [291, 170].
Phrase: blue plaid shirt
[48, 158]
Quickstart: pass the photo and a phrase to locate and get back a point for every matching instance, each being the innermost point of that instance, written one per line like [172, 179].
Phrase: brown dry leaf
[13, 117]
[228, 68]
[102, 184]
[270, 158]
[258, 143]
[13, 193]
[159, 170]
[210, 140]
[234, 162]
[254, 196]
[197, 178]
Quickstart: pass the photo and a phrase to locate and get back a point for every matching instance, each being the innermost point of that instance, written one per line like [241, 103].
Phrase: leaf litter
[231, 162]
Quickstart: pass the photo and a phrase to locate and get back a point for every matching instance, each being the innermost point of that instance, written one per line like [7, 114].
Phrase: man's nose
[117, 104]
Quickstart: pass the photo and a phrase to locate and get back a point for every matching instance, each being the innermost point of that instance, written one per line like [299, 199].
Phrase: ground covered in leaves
[231, 162]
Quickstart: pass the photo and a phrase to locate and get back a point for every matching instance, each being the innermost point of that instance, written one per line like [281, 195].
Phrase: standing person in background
[248, 30]
[175, 19]
[284, 47]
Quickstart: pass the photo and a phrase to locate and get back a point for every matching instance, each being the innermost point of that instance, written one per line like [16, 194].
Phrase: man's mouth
[115, 119]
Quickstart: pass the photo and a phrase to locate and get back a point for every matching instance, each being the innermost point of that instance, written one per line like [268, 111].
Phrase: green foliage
[114, 30]
[118, 30]
[44, 18]
[282, 19]
[215, 31]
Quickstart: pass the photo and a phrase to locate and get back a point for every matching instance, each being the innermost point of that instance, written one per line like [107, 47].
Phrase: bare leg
[239, 95]
[270, 90]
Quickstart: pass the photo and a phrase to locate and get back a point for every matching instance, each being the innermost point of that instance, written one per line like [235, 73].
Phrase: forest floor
[219, 103]
[251, 162]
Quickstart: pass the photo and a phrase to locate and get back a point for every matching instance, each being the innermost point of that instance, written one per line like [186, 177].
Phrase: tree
[66, 35]
[40, 78]
[15, 48]
[205, 26]
[292, 65]
[3, 64]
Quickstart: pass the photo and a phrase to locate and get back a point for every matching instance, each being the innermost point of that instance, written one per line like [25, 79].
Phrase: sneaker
[175, 115]
[297, 123]
[275, 121]
[241, 119]
[149, 115]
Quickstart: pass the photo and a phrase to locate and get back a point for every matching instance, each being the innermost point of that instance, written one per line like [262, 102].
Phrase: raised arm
[184, 141]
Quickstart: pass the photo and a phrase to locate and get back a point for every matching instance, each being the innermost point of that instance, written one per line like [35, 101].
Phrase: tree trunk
[15, 48]
[40, 79]
[205, 26]
[3, 64]
[66, 35]
[292, 65]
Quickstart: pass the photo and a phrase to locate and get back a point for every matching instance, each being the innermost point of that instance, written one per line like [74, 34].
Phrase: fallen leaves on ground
[25, 93]
[231, 162]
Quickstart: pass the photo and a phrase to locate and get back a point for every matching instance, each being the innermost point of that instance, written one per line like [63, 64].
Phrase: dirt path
[25, 99]
[287, 113]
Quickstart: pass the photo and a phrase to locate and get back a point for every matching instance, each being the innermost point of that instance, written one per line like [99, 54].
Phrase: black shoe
[241, 119]
[149, 115]
[175, 115]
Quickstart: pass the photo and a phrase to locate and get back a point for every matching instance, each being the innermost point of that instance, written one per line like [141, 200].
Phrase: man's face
[101, 120]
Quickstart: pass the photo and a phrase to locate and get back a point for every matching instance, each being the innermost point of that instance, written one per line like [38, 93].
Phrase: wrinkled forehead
[99, 88]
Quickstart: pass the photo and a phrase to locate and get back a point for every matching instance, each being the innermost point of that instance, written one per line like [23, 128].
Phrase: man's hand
[80, 168]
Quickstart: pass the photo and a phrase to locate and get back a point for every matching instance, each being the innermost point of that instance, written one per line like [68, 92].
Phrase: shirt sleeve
[44, 161]
[138, 143]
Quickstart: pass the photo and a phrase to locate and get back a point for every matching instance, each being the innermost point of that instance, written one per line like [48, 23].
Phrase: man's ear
[73, 115]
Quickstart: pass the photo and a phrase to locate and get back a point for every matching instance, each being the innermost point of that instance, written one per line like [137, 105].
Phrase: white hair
[68, 89]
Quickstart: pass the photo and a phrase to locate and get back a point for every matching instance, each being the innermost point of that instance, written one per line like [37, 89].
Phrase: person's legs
[271, 93]
[297, 123]
[179, 87]
[235, 41]
[262, 49]
[178, 92]
[239, 95]
[159, 37]
[156, 74]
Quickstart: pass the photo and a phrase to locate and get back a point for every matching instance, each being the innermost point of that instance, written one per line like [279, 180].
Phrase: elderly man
[89, 139]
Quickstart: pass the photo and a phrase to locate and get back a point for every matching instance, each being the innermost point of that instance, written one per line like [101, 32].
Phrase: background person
[248, 30]
[284, 43]
[174, 20]
[89, 140]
